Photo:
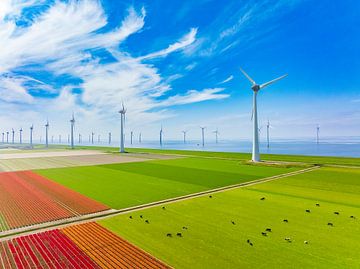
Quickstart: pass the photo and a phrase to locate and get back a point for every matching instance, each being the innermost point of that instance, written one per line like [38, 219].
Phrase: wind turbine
[161, 136]
[109, 138]
[31, 135]
[92, 137]
[47, 133]
[59, 139]
[203, 135]
[256, 88]
[184, 136]
[72, 121]
[122, 112]
[99, 138]
[268, 126]
[317, 133]
[216, 132]
[140, 138]
[13, 136]
[20, 133]
[131, 137]
[7, 137]
[3, 134]
[79, 138]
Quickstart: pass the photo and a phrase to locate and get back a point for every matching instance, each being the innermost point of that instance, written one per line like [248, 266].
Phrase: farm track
[109, 213]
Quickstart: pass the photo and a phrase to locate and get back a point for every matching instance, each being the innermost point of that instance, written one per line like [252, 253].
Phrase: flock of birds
[264, 233]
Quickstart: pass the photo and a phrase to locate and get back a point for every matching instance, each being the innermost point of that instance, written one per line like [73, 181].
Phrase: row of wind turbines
[255, 141]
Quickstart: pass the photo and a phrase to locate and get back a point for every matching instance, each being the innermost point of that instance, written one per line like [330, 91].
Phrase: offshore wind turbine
[13, 136]
[20, 135]
[122, 112]
[216, 132]
[31, 135]
[256, 88]
[72, 129]
[203, 135]
[47, 133]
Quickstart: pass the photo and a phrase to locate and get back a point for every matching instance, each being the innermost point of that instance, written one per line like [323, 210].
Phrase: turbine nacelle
[255, 88]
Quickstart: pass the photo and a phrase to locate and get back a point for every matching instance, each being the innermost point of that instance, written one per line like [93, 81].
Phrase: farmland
[27, 198]
[81, 246]
[207, 224]
[129, 184]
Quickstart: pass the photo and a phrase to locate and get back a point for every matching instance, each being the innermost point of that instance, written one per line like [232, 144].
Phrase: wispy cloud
[64, 39]
[231, 77]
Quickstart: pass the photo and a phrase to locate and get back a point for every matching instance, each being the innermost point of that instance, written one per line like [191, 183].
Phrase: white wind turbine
[216, 132]
[47, 133]
[131, 137]
[72, 121]
[122, 138]
[161, 136]
[13, 136]
[203, 135]
[7, 137]
[256, 88]
[20, 134]
[109, 138]
[184, 136]
[140, 138]
[317, 133]
[31, 135]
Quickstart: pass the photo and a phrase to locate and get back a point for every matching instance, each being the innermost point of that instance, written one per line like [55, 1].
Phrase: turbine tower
[317, 133]
[216, 132]
[72, 121]
[256, 88]
[92, 137]
[13, 136]
[131, 137]
[161, 136]
[20, 134]
[140, 138]
[109, 138]
[203, 135]
[7, 137]
[184, 136]
[31, 135]
[3, 135]
[268, 126]
[47, 133]
[79, 138]
[122, 138]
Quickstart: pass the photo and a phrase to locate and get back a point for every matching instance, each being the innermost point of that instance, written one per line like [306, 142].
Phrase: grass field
[212, 241]
[129, 184]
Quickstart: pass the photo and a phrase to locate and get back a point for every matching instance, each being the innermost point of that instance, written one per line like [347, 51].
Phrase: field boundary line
[114, 212]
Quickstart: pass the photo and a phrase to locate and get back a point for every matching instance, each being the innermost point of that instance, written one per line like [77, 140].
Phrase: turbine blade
[272, 81]
[248, 77]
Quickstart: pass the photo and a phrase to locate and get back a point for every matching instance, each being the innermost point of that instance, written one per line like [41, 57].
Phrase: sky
[176, 64]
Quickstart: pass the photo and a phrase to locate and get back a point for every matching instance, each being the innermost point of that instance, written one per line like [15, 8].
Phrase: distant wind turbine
[99, 138]
[72, 122]
[47, 133]
[7, 137]
[79, 138]
[140, 138]
[216, 132]
[317, 133]
[256, 88]
[20, 135]
[31, 135]
[203, 135]
[184, 136]
[13, 136]
[59, 139]
[161, 136]
[92, 137]
[268, 126]
[131, 137]
[109, 138]
[3, 134]
[122, 138]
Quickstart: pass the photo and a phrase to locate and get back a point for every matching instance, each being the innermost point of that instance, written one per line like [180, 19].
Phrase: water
[344, 147]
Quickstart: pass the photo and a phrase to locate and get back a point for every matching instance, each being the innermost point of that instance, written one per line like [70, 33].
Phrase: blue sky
[177, 64]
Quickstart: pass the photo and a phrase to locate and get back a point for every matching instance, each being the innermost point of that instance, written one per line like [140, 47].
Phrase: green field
[212, 241]
[129, 184]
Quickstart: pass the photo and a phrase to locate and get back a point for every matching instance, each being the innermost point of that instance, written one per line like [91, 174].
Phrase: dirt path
[110, 213]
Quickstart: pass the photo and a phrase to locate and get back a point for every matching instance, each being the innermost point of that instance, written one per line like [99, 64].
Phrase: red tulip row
[27, 199]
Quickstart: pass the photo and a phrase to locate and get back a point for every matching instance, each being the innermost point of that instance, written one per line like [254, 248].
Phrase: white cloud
[231, 77]
[61, 40]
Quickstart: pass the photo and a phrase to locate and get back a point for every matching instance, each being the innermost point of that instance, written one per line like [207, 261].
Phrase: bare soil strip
[105, 214]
